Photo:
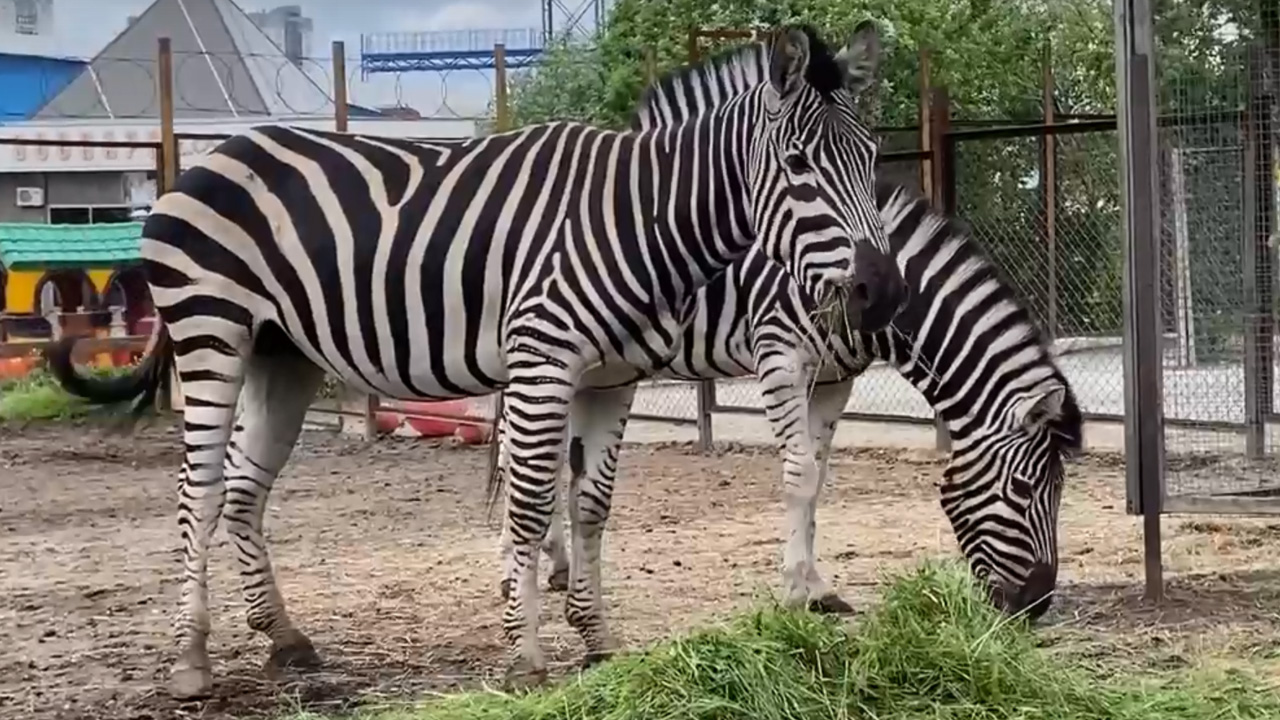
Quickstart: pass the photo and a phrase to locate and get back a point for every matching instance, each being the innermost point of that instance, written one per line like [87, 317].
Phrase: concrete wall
[81, 188]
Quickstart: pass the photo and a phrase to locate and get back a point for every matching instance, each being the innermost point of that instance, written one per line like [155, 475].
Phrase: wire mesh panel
[1218, 186]
[666, 400]
[1048, 216]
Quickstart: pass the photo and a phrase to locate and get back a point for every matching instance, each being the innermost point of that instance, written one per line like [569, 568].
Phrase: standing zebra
[964, 339]
[554, 262]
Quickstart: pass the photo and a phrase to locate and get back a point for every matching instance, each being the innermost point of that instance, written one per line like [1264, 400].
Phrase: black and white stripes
[555, 262]
[964, 339]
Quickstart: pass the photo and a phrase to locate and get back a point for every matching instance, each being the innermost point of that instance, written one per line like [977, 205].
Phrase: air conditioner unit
[30, 197]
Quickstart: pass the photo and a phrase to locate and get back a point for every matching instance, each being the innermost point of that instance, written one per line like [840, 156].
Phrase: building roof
[30, 81]
[33, 246]
[223, 66]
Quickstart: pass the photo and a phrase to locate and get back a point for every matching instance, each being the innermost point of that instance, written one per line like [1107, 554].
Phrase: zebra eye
[798, 163]
[1021, 486]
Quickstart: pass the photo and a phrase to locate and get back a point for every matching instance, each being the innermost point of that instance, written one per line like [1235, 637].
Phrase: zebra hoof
[191, 683]
[504, 588]
[299, 654]
[830, 605]
[559, 580]
[520, 676]
[596, 657]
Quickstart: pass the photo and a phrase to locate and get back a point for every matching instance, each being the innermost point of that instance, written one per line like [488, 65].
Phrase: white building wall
[26, 27]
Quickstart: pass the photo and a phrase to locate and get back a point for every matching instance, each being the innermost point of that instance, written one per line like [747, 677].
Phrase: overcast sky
[85, 26]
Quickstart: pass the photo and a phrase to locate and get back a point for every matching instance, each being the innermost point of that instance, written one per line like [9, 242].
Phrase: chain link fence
[1044, 203]
[1219, 180]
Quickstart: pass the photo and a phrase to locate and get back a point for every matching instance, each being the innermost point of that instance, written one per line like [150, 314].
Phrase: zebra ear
[1035, 411]
[789, 58]
[860, 57]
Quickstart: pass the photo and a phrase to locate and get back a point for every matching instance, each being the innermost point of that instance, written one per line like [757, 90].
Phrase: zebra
[965, 340]
[553, 262]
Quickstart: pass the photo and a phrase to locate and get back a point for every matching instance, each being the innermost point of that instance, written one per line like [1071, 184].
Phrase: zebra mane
[911, 219]
[691, 90]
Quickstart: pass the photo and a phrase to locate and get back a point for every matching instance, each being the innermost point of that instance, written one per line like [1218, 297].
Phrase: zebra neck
[936, 374]
[701, 188]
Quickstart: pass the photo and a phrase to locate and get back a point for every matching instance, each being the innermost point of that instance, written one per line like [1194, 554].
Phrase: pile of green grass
[931, 649]
[38, 396]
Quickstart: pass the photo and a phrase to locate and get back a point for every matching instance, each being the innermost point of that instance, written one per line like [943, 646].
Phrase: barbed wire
[210, 84]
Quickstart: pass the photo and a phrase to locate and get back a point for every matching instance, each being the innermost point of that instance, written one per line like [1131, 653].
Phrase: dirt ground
[386, 561]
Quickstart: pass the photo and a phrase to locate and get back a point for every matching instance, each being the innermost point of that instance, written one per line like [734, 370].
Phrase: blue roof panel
[27, 82]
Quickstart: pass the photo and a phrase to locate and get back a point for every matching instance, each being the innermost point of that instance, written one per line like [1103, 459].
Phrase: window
[69, 216]
[85, 215]
[110, 214]
[26, 17]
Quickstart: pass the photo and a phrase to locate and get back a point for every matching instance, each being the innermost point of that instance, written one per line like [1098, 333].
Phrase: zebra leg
[535, 411]
[211, 375]
[784, 387]
[553, 547]
[277, 391]
[826, 403]
[599, 422]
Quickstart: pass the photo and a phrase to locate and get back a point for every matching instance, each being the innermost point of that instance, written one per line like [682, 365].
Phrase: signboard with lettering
[46, 158]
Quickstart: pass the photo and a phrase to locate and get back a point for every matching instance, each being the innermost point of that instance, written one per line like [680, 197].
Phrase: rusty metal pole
[942, 182]
[167, 174]
[926, 134]
[1049, 191]
[501, 99]
[341, 108]
[164, 91]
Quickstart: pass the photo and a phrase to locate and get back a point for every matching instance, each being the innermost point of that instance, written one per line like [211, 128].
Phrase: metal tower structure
[572, 19]
[441, 51]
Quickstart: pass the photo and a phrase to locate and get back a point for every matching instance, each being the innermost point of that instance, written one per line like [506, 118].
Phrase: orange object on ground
[450, 418]
[17, 367]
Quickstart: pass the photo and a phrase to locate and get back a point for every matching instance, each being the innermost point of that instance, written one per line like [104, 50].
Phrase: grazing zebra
[554, 262]
[964, 339]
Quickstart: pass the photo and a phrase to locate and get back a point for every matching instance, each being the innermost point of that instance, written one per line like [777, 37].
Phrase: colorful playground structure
[58, 280]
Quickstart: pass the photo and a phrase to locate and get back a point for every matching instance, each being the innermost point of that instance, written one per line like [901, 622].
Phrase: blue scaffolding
[441, 51]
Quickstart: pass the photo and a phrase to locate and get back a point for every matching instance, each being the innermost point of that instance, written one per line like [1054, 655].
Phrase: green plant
[933, 647]
[39, 396]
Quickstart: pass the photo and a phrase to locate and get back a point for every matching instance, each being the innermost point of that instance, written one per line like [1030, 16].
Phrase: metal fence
[1218, 186]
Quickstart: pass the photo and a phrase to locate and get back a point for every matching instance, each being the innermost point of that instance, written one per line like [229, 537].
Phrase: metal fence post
[1144, 425]
[1049, 191]
[501, 98]
[166, 176]
[371, 405]
[341, 108]
[942, 188]
[706, 406]
[1259, 204]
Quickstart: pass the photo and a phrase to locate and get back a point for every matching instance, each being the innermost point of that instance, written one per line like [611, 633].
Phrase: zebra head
[808, 160]
[1002, 489]
[813, 193]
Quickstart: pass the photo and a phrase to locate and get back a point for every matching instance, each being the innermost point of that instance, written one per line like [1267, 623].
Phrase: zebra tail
[494, 477]
[139, 387]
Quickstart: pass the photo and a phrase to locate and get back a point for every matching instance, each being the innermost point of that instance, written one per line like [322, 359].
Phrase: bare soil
[387, 560]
